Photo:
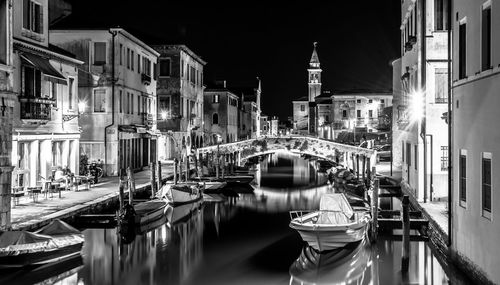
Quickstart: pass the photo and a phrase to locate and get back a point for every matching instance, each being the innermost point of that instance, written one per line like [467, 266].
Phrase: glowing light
[164, 115]
[81, 107]
[416, 110]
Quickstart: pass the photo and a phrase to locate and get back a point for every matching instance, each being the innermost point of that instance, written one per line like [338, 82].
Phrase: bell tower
[314, 83]
[314, 71]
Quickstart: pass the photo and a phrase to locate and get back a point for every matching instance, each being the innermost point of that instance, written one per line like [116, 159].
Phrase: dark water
[242, 241]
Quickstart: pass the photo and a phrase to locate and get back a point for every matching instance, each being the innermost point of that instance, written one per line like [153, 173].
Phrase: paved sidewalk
[28, 213]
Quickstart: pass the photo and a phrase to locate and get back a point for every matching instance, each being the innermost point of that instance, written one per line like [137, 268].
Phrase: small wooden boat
[149, 211]
[181, 193]
[55, 242]
[214, 186]
[180, 213]
[229, 179]
[333, 226]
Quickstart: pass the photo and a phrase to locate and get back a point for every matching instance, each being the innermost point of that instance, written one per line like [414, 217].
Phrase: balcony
[36, 111]
[147, 119]
[146, 79]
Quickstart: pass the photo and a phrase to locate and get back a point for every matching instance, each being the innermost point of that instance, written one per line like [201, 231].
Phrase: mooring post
[375, 210]
[196, 165]
[131, 186]
[363, 168]
[121, 185]
[158, 174]
[175, 170]
[368, 173]
[187, 167]
[152, 179]
[217, 162]
[232, 163]
[357, 167]
[405, 216]
[223, 165]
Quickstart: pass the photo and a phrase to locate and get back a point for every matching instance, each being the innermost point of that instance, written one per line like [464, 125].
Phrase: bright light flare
[164, 115]
[416, 110]
[81, 107]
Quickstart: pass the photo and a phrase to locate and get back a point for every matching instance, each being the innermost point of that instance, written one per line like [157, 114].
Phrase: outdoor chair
[17, 192]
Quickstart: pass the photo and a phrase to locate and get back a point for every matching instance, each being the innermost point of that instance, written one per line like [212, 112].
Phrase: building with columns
[117, 91]
[46, 133]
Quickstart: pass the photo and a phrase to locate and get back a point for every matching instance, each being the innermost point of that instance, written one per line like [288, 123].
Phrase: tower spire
[314, 57]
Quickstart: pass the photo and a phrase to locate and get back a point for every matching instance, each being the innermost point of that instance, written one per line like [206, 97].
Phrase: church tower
[314, 75]
[314, 83]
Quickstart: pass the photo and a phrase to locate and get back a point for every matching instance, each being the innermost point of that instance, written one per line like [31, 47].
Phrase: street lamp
[416, 108]
[81, 109]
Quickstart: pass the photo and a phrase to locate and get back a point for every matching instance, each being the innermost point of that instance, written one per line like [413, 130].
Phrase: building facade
[325, 115]
[220, 110]
[273, 126]
[180, 101]
[264, 125]
[45, 133]
[424, 80]
[8, 100]
[250, 111]
[117, 91]
[397, 151]
[476, 85]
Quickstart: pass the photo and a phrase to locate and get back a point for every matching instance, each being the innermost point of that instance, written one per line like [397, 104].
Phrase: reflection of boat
[151, 226]
[346, 265]
[230, 179]
[334, 225]
[149, 211]
[55, 242]
[176, 214]
[181, 193]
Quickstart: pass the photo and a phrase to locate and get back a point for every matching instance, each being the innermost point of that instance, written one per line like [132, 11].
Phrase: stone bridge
[239, 152]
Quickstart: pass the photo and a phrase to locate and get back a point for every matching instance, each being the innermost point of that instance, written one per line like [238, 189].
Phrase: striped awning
[42, 64]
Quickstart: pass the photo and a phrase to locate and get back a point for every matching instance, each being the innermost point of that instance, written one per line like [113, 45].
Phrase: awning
[45, 67]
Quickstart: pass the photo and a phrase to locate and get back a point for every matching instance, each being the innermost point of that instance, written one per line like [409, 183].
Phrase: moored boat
[181, 193]
[149, 211]
[55, 242]
[333, 226]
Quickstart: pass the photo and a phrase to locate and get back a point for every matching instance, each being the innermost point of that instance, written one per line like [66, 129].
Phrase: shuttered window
[100, 53]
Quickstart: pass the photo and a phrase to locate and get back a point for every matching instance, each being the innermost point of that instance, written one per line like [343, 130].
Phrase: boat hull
[41, 257]
[149, 211]
[332, 239]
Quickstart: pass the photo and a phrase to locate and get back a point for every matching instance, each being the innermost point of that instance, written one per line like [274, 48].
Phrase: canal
[245, 240]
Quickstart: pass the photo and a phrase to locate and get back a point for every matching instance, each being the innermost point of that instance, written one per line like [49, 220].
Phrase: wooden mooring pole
[375, 210]
[152, 180]
[405, 216]
[131, 186]
[175, 170]
[187, 167]
[158, 174]
[121, 194]
[197, 173]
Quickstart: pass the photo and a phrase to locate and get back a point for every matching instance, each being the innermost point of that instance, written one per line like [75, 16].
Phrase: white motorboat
[181, 193]
[333, 226]
[214, 186]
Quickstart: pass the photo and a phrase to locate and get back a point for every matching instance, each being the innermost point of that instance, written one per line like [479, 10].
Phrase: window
[370, 101]
[146, 66]
[462, 50]
[486, 184]
[165, 105]
[216, 98]
[358, 101]
[358, 113]
[302, 108]
[344, 113]
[440, 15]
[155, 71]
[121, 54]
[402, 151]
[31, 82]
[382, 101]
[416, 157]
[486, 38]
[215, 119]
[182, 68]
[138, 63]
[444, 158]
[120, 101]
[32, 16]
[99, 100]
[132, 58]
[441, 83]
[3, 31]
[99, 53]
[462, 169]
[408, 155]
[327, 119]
[70, 92]
[128, 58]
[193, 75]
[165, 66]
[370, 113]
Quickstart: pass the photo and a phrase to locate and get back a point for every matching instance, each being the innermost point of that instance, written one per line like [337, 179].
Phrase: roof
[166, 47]
[366, 92]
[301, 99]
[314, 56]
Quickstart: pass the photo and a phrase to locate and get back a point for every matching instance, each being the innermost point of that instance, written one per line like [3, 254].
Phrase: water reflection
[245, 240]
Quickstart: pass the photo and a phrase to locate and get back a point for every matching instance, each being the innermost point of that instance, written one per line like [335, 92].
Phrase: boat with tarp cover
[333, 226]
[55, 242]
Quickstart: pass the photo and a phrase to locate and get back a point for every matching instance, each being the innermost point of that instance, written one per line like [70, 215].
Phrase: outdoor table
[57, 187]
[34, 191]
[79, 179]
[46, 187]
[16, 193]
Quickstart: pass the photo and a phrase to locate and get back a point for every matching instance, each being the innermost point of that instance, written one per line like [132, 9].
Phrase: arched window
[215, 119]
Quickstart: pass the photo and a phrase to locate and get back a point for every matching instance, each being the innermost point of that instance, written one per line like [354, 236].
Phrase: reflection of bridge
[238, 152]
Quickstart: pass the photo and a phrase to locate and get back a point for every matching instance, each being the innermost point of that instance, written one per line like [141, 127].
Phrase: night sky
[271, 39]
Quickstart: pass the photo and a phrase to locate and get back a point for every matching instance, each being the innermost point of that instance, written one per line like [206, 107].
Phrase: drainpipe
[423, 82]
[431, 170]
[450, 139]
[113, 34]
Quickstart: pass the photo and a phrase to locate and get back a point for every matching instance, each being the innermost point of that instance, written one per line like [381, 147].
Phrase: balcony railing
[441, 100]
[35, 111]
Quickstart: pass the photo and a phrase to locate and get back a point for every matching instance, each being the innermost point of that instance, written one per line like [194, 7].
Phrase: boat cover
[57, 227]
[334, 209]
[22, 242]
